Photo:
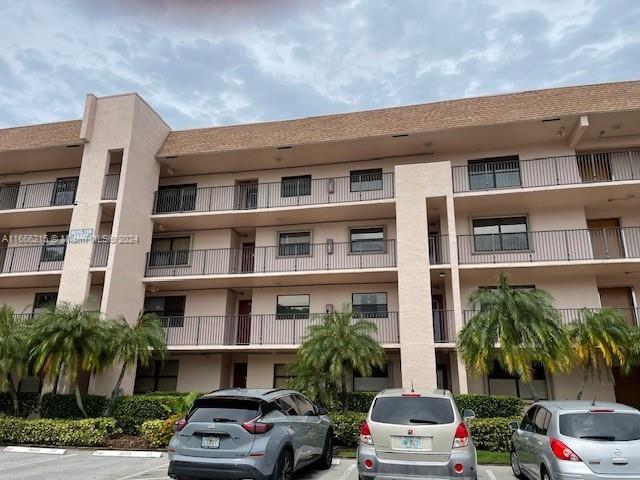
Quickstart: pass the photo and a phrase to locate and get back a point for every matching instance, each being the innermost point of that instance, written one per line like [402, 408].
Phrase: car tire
[284, 467]
[324, 462]
[515, 464]
[545, 475]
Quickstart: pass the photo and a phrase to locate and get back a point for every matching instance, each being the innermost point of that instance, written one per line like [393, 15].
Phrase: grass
[343, 452]
[493, 458]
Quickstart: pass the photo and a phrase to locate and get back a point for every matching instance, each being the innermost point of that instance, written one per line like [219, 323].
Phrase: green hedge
[28, 403]
[89, 432]
[65, 406]
[493, 434]
[361, 401]
[490, 406]
[132, 411]
[157, 433]
[346, 427]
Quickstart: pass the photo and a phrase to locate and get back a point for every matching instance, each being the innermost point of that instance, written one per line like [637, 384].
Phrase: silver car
[412, 434]
[250, 434]
[574, 440]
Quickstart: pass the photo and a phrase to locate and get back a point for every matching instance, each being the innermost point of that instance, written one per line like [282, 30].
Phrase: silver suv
[250, 434]
[411, 434]
[577, 440]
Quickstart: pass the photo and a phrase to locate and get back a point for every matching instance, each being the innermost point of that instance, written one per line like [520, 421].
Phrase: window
[64, 191]
[159, 376]
[280, 375]
[55, 246]
[594, 167]
[412, 410]
[292, 306]
[496, 172]
[169, 309]
[9, 193]
[232, 410]
[42, 301]
[295, 186]
[376, 382]
[502, 383]
[369, 305]
[527, 420]
[288, 405]
[169, 251]
[305, 407]
[366, 180]
[500, 234]
[294, 244]
[541, 421]
[611, 426]
[367, 240]
[176, 198]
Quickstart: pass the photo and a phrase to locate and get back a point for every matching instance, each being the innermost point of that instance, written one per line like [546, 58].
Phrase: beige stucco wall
[198, 372]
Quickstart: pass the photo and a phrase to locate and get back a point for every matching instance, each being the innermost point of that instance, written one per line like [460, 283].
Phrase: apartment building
[240, 237]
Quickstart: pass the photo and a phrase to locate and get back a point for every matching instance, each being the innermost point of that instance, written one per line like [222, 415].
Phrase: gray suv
[250, 434]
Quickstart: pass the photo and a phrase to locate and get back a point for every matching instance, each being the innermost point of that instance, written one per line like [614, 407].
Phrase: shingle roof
[40, 136]
[429, 117]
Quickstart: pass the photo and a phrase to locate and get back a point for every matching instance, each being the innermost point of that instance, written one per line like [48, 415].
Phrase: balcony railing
[554, 245]
[110, 189]
[438, 249]
[261, 329]
[444, 326]
[100, 254]
[238, 261]
[569, 316]
[548, 171]
[294, 193]
[34, 195]
[33, 258]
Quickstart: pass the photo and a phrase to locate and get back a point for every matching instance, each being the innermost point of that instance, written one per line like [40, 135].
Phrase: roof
[428, 117]
[40, 136]
[582, 405]
[396, 392]
[264, 393]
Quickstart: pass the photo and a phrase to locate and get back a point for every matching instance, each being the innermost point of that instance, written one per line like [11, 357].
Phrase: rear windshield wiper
[223, 420]
[610, 438]
[423, 420]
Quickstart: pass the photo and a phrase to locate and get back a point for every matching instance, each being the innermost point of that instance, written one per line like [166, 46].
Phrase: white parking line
[346, 474]
[28, 464]
[137, 474]
[491, 475]
[43, 451]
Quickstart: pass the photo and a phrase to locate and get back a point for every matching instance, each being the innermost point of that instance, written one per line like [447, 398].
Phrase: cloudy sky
[218, 62]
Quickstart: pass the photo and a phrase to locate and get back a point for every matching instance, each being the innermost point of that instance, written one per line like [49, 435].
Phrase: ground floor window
[159, 376]
[281, 375]
[378, 380]
[42, 301]
[502, 383]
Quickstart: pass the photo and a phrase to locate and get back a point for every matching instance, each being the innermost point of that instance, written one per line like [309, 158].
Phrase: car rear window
[606, 426]
[224, 410]
[412, 410]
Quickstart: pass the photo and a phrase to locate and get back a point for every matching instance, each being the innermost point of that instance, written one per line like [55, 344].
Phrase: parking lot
[83, 465]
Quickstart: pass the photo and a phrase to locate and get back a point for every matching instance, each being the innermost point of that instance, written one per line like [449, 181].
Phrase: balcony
[583, 245]
[33, 258]
[438, 249]
[259, 329]
[569, 316]
[444, 326]
[549, 171]
[111, 185]
[100, 254]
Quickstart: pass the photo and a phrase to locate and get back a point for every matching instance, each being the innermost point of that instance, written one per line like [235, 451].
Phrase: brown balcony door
[9, 195]
[243, 335]
[606, 238]
[248, 257]
[619, 297]
[239, 375]
[594, 167]
[246, 194]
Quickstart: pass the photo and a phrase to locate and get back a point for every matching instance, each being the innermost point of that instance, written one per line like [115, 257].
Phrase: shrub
[65, 406]
[346, 427]
[493, 434]
[28, 403]
[132, 411]
[157, 433]
[490, 406]
[88, 432]
[361, 401]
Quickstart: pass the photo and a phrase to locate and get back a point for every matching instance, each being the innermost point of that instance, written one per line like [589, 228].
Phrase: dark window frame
[169, 318]
[62, 188]
[157, 375]
[364, 251]
[280, 315]
[54, 250]
[285, 377]
[367, 180]
[300, 249]
[377, 313]
[181, 258]
[500, 222]
[41, 306]
[494, 169]
[180, 202]
[295, 186]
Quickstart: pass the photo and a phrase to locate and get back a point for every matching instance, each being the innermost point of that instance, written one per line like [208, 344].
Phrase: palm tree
[518, 328]
[601, 340]
[339, 346]
[13, 353]
[67, 340]
[137, 344]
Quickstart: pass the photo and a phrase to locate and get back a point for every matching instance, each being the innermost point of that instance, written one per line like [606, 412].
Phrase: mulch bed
[126, 442]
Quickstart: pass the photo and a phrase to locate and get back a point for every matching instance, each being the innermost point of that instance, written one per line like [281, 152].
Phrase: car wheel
[545, 474]
[515, 465]
[324, 463]
[284, 467]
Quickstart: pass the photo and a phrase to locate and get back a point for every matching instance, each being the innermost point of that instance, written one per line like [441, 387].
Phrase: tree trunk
[76, 390]
[343, 393]
[585, 378]
[55, 383]
[14, 395]
[532, 391]
[116, 389]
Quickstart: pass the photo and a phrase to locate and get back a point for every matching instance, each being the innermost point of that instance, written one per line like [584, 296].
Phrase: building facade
[240, 237]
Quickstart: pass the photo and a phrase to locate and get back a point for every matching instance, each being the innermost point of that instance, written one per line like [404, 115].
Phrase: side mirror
[321, 411]
[468, 414]
[514, 426]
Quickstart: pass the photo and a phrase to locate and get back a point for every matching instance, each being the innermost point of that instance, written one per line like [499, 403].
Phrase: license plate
[210, 442]
[411, 442]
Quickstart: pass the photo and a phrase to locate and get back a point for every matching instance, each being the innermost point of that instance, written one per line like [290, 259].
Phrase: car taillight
[561, 451]
[254, 426]
[180, 424]
[365, 434]
[461, 438]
